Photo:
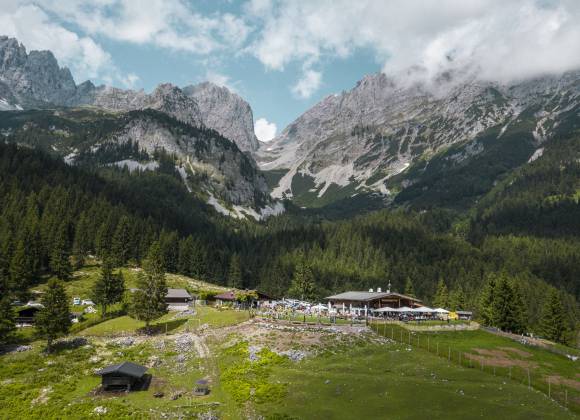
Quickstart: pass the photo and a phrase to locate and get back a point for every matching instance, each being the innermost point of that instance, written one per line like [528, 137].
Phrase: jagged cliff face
[35, 80]
[225, 112]
[29, 80]
[360, 139]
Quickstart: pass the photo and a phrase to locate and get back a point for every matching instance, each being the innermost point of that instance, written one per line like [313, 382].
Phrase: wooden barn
[125, 376]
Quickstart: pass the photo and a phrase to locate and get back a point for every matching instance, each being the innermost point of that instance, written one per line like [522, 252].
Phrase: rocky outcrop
[225, 112]
[166, 98]
[32, 80]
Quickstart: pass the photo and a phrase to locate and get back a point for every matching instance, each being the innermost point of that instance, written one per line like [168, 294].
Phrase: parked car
[87, 302]
[76, 301]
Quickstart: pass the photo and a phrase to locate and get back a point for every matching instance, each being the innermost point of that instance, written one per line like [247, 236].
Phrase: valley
[159, 260]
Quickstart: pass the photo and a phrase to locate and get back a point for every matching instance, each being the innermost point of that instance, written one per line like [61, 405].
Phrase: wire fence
[563, 391]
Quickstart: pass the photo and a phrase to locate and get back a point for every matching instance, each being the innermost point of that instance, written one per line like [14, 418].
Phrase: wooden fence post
[529, 379]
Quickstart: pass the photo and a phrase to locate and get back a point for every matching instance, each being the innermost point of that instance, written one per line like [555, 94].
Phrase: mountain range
[396, 141]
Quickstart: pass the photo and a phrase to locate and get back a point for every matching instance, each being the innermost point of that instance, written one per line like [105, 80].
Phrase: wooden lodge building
[122, 377]
[372, 300]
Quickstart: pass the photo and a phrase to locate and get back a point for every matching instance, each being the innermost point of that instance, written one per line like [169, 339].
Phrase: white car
[76, 301]
[87, 302]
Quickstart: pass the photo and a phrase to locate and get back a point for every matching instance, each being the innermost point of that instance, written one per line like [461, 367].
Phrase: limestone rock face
[225, 112]
[32, 79]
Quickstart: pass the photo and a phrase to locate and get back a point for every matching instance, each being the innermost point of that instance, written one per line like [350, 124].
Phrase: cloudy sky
[284, 56]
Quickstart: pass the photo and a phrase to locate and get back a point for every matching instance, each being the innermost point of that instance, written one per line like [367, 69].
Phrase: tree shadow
[162, 327]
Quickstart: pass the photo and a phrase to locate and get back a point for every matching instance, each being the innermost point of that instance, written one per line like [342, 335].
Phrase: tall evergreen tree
[486, 300]
[81, 242]
[553, 323]
[148, 301]
[235, 272]
[185, 258]
[53, 320]
[441, 299]
[60, 254]
[303, 286]
[20, 271]
[109, 287]
[7, 324]
[121, 243]
[506, 306]
[457, 300]
[409, 289]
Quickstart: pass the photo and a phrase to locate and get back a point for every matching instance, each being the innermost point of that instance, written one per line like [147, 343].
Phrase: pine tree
[457, 300]
[198, 261]
[81, 242]
[148, 301]
[59, 256]
[486, 300]
[185, 258]
[235, 272]
[441, 299]
[121, 243]
[520, 317]
[303, 286]
[20, 271]
[109, 287]
[507, 306]
[553, 323]
[53, 320]
[409, 289]
[7, 324]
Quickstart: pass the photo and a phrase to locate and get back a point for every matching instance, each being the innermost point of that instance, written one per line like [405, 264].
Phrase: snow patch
[538, 153]
[133, 165]
[70, 158]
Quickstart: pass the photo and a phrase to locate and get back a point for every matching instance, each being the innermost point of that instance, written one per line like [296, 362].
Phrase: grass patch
[376, 381]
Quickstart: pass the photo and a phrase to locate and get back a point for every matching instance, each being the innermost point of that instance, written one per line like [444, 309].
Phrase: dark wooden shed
[124, 376]
[26, 314]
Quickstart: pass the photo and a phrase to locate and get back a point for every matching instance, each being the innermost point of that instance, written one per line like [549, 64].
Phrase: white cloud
[34, 28]
[308, 84]
[221, 80]
[499, 40]
[265, 131]
[171, 24]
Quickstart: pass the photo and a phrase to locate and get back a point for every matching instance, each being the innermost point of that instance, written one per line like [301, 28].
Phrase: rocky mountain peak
[226, 112]
[35, 78]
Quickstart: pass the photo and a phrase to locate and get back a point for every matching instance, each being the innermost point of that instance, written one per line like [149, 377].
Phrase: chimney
[370, 290]
[379, 290]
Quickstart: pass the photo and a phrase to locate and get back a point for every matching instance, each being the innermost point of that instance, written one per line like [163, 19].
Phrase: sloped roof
[178, 293]
[125, 368]
[368, 296]
[226, 296]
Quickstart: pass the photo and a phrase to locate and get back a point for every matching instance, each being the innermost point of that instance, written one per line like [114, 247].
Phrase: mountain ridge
[35, 80]
[359, 140]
